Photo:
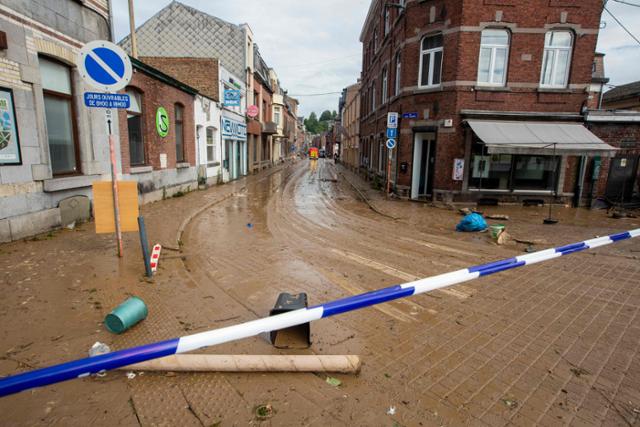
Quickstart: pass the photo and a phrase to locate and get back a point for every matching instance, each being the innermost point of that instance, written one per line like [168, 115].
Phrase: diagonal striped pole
[91, 365]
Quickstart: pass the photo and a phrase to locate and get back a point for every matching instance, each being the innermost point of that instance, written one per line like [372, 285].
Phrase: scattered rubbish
[530, 242]
[496, 230]
[578, 371]
[131, 375]
[126, 315]
[155, 257]
[101, 374]
[72, 225]
[511, 403]
[530, 249]
[295, 337]
[392, 410]
[333, 382]
[498, 217]
[249, 225]
[504, 238]
[56, 338]
[465, 211]
[99, 348]
[264, 412]
[472, 222]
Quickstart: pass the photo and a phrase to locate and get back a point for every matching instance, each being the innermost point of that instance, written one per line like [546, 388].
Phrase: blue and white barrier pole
[91, 365]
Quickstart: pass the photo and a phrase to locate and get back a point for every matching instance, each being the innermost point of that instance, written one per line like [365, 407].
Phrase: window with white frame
[373, 97]
[431, 61]
[387, 19]
[211, 145]
[557, 59]
[375, 41]
[494, 54]
[385, 86]
[398, 80]
[276, 115]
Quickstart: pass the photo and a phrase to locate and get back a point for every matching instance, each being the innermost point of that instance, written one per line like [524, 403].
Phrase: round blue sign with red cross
[104, 65]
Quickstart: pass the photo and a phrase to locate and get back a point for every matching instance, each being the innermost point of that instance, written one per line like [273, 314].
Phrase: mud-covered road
[555, 344]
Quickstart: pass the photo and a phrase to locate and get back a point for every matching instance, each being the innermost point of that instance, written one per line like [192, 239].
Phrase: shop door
[424, 156]
[622, 177]
[237, 160]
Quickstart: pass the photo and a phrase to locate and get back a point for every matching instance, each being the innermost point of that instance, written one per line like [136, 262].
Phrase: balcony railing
[269, 128]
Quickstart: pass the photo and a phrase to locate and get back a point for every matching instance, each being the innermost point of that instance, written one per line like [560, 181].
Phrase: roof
[622, 92]
[366, 21]
[159, 75]
[539, 138]
[182, 31]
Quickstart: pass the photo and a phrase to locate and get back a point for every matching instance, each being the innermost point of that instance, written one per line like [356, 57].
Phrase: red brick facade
[199, 73]
[154, 94]
[460, 23]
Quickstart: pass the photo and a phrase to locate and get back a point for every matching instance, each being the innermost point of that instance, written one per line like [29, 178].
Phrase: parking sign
[392, 120]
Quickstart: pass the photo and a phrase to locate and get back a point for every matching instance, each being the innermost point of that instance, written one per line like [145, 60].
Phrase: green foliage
[326, 116]
[315, 125]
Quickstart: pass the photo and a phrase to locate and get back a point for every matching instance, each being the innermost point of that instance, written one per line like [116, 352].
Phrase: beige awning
[539, 138]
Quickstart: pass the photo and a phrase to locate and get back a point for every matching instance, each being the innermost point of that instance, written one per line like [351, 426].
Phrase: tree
[334, 115]
[312, 124]
[326, 116]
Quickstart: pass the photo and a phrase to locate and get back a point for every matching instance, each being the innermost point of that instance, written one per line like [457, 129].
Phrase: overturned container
[126, 315]
[295, 337]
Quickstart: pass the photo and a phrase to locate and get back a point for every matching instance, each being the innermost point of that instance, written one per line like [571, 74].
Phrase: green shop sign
[162, 122]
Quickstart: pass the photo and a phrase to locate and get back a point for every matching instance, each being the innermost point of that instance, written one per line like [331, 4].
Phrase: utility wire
[622, 25]
[316, 94]
[627, 3]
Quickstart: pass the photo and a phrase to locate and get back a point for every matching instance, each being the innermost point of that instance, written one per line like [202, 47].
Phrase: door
[424, 149]
[622, 176]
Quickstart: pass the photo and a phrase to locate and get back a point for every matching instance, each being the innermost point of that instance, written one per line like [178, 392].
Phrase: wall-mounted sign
[410, 115]
[104, 65]
[162, 122]
[232, 129]
[9, 141]
[106, 100]
[458, 169]
[231, 98]
[392, 133]
[392, 120]
[253, 111]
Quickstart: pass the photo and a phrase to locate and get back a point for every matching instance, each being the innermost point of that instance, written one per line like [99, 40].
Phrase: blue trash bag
[472, 222]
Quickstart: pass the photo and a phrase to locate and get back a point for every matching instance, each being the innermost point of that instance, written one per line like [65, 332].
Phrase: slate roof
[622, 92]
[182, 31]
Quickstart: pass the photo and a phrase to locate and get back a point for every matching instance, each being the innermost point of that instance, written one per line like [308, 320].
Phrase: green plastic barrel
[496, 230]
[126, 315]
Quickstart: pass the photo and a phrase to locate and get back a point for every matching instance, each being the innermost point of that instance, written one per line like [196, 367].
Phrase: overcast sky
[314, 44]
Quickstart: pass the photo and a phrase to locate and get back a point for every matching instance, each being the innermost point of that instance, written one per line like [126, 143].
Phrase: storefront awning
[539, 138]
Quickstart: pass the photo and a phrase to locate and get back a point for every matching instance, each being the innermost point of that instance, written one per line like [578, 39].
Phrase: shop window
[431, 61]
[494, 53]
[385, 89]
[60, 116]
[557, 59]
[134, 127]
[211, 145]
[396, 90]
[179, 126]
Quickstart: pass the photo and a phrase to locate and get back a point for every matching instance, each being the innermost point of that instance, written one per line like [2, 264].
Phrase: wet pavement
[552, 344]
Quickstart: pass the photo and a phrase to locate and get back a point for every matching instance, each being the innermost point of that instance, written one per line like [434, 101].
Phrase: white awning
[539, 138]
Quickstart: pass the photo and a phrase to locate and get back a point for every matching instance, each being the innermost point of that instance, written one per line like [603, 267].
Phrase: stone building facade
[457, 71]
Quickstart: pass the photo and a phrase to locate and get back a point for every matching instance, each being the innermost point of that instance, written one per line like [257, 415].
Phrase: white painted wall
[207, 116]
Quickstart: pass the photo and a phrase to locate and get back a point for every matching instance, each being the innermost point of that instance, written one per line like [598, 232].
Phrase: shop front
[234, 140]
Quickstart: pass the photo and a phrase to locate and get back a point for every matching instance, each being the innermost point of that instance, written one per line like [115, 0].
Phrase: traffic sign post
[392, 134]
[105, 66]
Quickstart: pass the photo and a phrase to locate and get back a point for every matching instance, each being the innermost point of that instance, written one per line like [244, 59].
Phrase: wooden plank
[103, 206]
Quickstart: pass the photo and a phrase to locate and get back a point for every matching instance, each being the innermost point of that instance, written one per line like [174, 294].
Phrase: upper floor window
[276, 115]
[385, 86]
[396, 90]
[134, 128]
[431, 61]
[375, 41]
[387, 20]
[557, 59]
[373, 97]
[59, 116]
[179, 126]
[494, 51]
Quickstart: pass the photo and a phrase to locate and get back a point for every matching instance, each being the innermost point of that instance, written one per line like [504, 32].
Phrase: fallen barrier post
[92, 365]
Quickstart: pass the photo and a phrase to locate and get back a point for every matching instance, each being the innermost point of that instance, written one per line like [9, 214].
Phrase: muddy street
[557, 343]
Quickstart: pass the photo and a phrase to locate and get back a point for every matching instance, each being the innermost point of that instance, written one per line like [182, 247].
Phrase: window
[211, 145]
[387, 19]
[556, 59]
[179, 113]
[494, 51]
[276, 115]
[385, 91]
[373, 97]
[396, 90]
[59, 116]
[375, 41]
[134, 127]
[263, 113]
[431, 61]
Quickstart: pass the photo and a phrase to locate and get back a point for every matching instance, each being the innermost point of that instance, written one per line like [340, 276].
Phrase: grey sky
[314, 45]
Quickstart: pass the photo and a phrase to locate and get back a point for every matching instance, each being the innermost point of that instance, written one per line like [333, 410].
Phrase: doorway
[622, 177]
[424, 159]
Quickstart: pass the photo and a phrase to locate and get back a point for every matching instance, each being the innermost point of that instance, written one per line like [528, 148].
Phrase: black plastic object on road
[296, 337]
[145, 246]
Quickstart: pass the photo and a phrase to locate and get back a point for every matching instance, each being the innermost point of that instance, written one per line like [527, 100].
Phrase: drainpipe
[132, 29]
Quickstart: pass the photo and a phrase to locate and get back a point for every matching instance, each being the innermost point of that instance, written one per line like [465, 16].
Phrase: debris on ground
[131, 375]
[472, 222]
[511, 403]
[264, 412]
[498, 217]
[578, 371]
[392, 410]
[333, 382]
[99, 348]
[504, 238]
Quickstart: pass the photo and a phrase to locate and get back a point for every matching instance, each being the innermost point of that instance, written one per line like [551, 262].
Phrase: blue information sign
[392, 133]
[106, 100]
[409, 115]
[231, 98]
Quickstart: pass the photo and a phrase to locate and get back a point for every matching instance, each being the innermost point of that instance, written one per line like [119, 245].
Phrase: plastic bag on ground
[472, 222]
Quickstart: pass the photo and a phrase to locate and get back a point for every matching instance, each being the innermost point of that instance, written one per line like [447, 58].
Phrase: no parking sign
[104, 65]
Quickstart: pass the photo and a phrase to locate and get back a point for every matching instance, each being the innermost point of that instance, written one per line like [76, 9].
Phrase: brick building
[159, 153]
[350, 119]
[492, 95]
[261, 127]
[623, 97]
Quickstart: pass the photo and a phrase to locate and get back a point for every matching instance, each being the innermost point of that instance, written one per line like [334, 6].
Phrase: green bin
[126, 315]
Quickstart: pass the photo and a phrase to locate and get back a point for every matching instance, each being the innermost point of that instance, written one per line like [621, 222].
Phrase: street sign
[104, 65]
[412, 115]
[103, 208]
[392, 120]
[106, 100]
[392, 133]
[253, 111]
[391, 143]
[232, 98]
[162, 122]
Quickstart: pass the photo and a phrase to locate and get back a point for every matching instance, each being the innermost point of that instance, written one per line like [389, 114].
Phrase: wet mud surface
[552, 344]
